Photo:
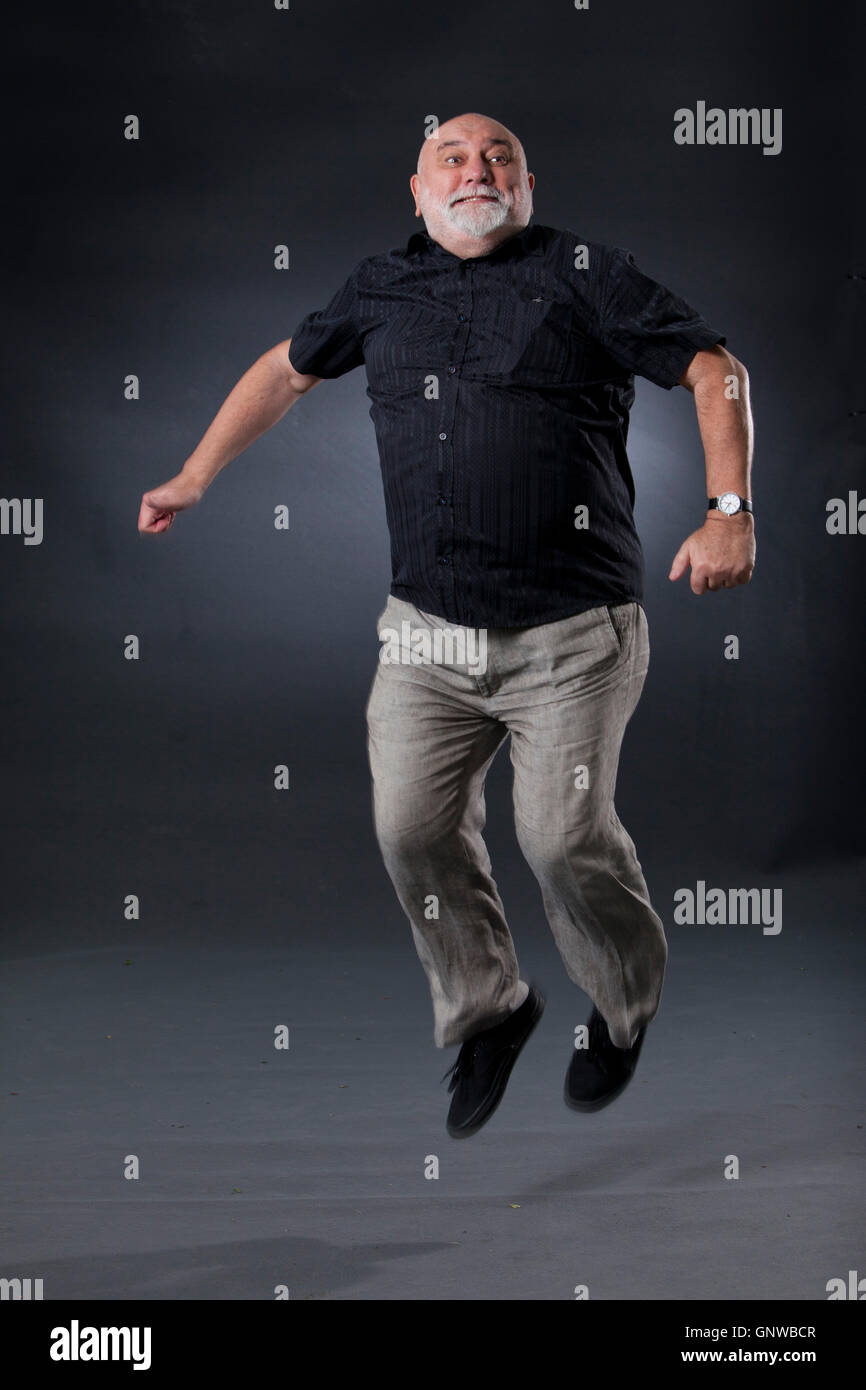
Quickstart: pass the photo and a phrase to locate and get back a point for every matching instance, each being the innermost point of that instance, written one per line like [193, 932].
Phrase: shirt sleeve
[646, 327]
[328, 343]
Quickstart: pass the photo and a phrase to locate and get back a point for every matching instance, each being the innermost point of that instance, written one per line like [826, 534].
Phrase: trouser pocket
[622, 618]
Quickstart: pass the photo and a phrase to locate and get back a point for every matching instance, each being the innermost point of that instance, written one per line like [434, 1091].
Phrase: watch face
[729, 503]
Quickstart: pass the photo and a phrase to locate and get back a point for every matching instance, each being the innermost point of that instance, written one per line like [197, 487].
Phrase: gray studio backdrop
[155, 257]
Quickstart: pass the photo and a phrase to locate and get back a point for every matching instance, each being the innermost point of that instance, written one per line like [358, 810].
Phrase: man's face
[472, 183]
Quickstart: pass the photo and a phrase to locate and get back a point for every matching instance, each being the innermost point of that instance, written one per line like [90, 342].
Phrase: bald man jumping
[500, 357]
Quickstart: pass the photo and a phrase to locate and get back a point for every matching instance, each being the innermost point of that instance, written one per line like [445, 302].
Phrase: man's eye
[449, 157]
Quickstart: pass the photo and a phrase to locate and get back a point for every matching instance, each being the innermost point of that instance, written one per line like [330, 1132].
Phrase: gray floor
[306, 1167]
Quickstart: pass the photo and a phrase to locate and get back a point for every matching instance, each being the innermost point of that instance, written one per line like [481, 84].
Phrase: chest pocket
[542, 345]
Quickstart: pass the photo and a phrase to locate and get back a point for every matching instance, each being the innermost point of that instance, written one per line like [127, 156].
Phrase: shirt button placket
[449, 520]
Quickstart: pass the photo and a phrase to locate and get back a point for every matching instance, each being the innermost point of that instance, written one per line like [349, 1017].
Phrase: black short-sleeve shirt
[500, 391]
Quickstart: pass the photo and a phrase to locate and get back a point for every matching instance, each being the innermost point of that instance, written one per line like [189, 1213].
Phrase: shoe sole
[497, 1091]
[589, 1107]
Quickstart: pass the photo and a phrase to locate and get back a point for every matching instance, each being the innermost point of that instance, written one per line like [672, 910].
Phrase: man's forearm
[258, 401]
[727, 429]
[721, 552]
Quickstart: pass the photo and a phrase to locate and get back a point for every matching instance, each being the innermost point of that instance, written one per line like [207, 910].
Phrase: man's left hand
[721, 553]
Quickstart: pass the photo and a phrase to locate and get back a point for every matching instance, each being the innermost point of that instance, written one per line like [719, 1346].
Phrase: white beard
[473, 221]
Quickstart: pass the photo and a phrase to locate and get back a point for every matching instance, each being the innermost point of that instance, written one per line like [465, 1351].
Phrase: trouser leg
[429, 752]
[565, 746]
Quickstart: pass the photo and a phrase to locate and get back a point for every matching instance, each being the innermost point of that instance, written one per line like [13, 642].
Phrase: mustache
[491, 195]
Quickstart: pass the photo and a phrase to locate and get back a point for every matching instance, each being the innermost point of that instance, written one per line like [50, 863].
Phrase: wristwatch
[730, 503]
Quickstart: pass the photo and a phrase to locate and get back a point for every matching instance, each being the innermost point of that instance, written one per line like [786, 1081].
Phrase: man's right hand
[262, 396]
[160, 506]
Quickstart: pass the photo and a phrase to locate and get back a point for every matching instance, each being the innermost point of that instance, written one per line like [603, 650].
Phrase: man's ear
[414, 183]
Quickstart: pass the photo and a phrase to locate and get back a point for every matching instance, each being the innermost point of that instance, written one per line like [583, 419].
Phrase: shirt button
[443, 436]
[443, 560]
[452, 369]
[462, 318]
[443, 501]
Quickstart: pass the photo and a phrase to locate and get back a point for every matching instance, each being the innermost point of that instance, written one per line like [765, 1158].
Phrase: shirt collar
[522, 243]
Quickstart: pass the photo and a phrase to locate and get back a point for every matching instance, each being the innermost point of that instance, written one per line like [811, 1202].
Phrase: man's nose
[478, 172]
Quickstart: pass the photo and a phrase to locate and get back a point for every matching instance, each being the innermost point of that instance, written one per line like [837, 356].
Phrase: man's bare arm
[722, 551]
[259, 400]
[720, 386]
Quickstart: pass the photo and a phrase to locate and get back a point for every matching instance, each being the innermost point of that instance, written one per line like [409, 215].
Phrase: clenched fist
[160, 506]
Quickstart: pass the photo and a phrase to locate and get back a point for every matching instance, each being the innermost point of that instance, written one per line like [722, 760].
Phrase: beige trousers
[439, 708]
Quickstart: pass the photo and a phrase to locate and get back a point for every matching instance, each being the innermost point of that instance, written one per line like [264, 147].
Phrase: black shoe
[600, 1072]
[483, 1066]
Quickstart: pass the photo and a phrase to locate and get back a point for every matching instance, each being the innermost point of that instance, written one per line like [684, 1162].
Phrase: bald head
[472, 186]
[462, 127]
